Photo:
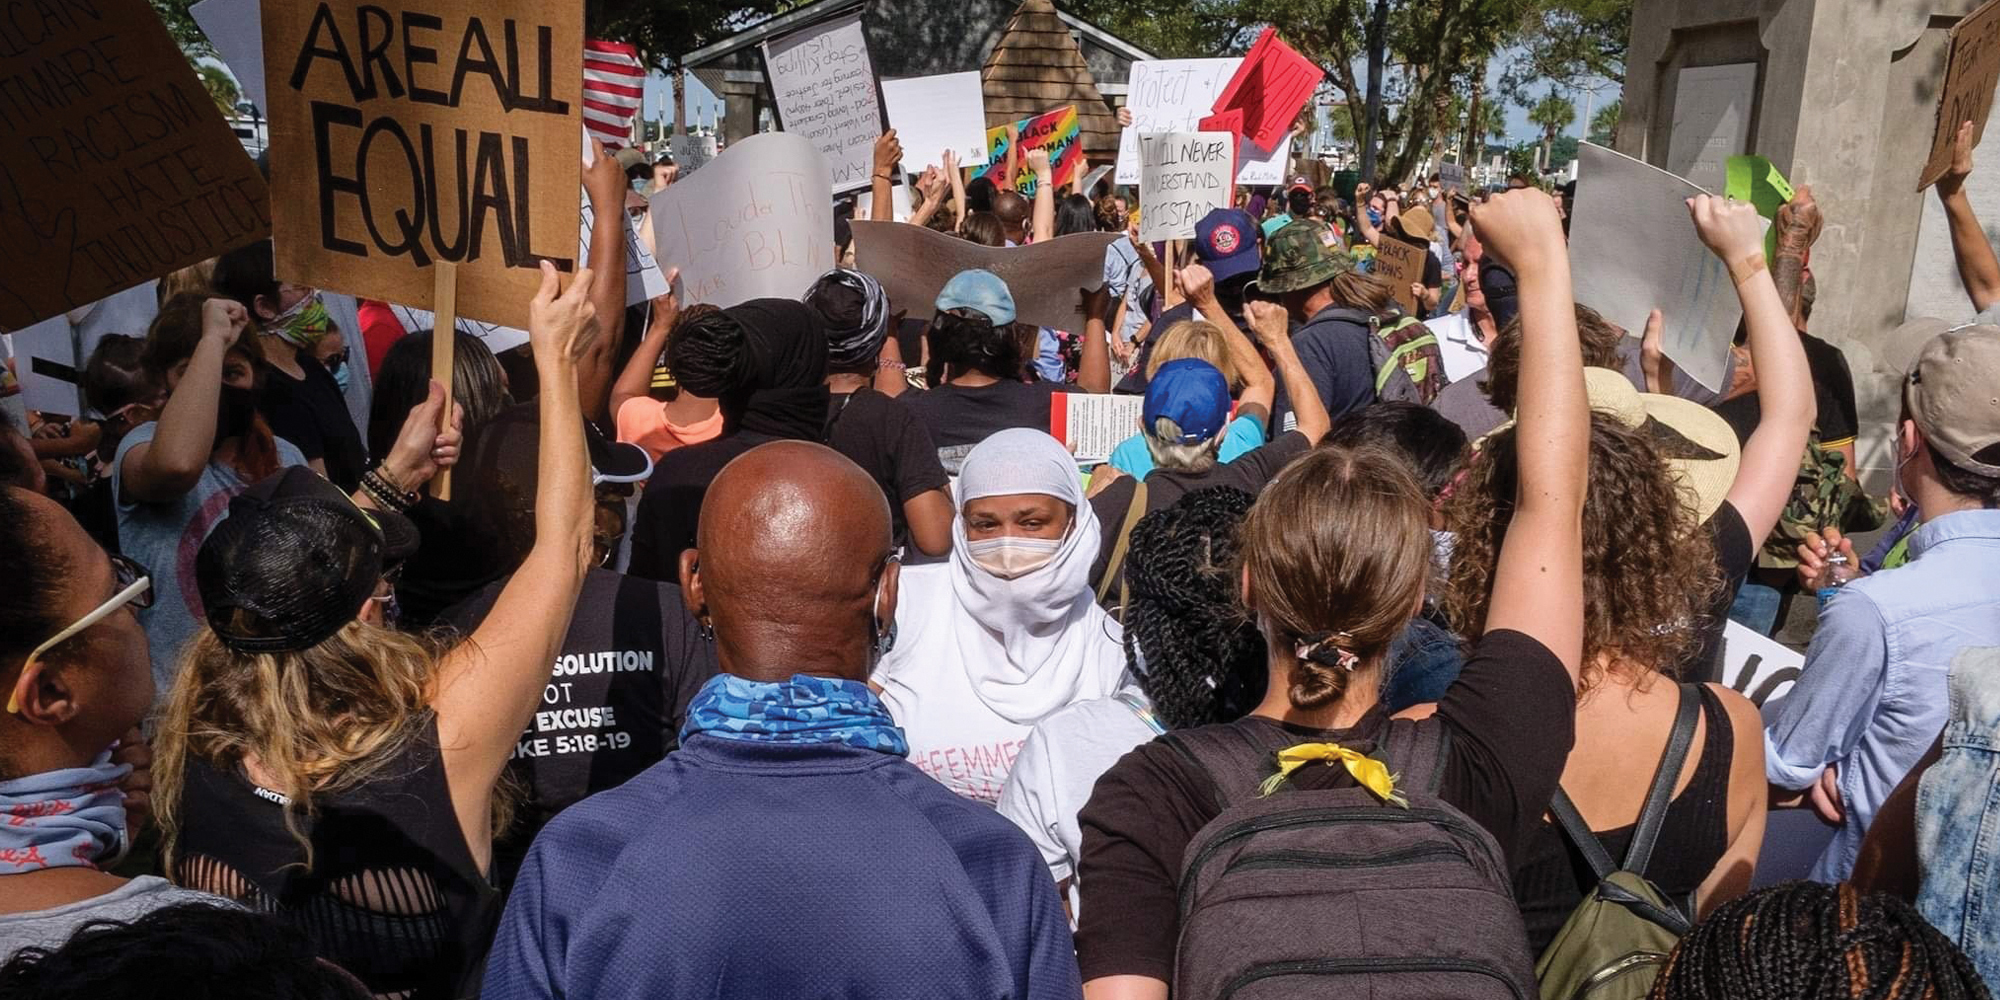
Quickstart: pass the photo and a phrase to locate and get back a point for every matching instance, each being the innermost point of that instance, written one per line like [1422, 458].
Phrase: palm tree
[1553, 113]
[1604, 124]
[221, 88]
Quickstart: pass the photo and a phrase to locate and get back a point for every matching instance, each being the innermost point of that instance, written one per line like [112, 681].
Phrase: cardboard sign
[1093, 424]
[1758, 668]
[1967, 94]
[1669, 269]
[934, 113]
[691, 151]
[1174, 95]
[234, 28]
[1057, 131]
[1402, 265]
[913, 263]
[1183, 176]
[1270, 87]
[116, 166]
[824, 87]
[759, 225]
[417, 131]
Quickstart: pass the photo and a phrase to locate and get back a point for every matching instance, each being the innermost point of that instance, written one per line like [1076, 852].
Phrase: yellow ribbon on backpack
[1368, 772]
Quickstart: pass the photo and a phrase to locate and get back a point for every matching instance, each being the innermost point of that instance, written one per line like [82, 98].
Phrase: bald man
[787, 849]
[1013, 210]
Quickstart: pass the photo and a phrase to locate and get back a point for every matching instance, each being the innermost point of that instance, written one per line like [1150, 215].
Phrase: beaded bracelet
[385, 493]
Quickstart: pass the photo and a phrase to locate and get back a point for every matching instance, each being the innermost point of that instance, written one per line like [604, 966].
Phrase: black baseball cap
[293, 562]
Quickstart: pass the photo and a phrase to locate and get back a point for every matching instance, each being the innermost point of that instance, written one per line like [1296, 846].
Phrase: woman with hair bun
[1334, 560]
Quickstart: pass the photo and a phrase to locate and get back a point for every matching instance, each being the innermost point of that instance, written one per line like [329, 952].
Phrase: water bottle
[1836, 574]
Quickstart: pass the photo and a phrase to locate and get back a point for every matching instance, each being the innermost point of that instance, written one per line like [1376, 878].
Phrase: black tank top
[1553, 875]
[393, 896]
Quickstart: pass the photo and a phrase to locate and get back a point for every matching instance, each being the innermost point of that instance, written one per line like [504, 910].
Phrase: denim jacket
[1958, 817]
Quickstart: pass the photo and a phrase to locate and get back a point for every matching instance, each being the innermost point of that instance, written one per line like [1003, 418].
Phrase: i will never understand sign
[1183, 176]
[408, 132]
[115, 166]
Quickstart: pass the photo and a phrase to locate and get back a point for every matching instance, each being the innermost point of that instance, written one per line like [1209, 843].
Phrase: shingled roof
[1036, 67]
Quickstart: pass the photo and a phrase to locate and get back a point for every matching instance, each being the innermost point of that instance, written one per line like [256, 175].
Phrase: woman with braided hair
[1810, 941]
[764, 363]
[1195, 652]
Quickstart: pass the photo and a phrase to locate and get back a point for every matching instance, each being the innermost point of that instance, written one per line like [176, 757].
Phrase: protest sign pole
[1174, 295]
[444, 336]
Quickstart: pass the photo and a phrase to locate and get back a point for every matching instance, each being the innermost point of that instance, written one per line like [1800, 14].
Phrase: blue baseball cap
[1225, 241]
[1193, 394]
[980, 291]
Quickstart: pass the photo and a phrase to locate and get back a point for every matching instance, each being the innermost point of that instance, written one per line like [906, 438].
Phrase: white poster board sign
[691, 151]
[824, 86]
[1092, 425]
[758, 225]
[1711, 121]
[1669, 269]
[1183, 176]
[1760, 669]
[1174, 95]
[497, 338]
[46, 364]
[934, 113]
[643, 279]
[236, 29]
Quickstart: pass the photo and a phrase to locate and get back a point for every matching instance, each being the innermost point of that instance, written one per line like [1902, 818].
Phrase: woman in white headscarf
[1007, 631]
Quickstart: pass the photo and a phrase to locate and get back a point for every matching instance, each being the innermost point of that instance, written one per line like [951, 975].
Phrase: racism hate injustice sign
[115, 165]
[408, 133]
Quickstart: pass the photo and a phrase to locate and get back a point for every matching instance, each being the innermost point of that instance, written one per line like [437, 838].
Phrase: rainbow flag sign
[1057, 131]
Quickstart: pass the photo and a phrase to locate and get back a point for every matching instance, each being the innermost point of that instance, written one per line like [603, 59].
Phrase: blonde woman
[343, 776]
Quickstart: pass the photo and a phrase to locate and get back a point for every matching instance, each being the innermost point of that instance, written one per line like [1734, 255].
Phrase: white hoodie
[979, 660]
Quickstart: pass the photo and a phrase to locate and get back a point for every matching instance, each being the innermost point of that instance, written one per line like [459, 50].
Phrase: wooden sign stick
[444, 337]
[1174, 291]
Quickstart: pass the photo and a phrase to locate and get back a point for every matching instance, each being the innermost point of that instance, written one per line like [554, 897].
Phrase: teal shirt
[1245, 433]
[1276, 222]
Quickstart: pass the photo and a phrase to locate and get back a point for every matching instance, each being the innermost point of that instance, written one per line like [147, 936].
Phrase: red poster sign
[1269, 88]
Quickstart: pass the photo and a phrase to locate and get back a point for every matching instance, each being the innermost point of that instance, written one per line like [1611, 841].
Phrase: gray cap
[1953, 394]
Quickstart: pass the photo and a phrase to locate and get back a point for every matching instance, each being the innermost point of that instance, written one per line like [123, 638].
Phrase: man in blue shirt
[787, 849]
[1872, 697]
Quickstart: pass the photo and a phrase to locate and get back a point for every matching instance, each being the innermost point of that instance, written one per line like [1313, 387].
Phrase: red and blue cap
[1225, 241]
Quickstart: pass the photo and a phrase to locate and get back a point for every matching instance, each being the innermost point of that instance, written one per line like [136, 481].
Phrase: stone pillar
[1846, 100]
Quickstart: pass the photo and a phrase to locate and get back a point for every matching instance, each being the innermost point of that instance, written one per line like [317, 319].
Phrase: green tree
[221, 87]
[1553, 113]
[1604, 123]
[1564, 42]
[180, 24]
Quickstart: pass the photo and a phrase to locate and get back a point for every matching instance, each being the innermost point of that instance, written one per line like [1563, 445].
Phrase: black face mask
[235, 412]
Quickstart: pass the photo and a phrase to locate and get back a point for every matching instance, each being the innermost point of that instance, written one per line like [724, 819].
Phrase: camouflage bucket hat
[1301, 255]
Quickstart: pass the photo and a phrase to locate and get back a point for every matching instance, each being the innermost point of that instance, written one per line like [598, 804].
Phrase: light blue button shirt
[1872, 697]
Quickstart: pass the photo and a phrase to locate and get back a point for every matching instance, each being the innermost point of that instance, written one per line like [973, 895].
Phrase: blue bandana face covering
[62, 819]
[801, 710]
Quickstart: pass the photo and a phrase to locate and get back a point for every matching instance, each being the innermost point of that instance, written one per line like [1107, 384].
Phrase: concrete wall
[1846, 102]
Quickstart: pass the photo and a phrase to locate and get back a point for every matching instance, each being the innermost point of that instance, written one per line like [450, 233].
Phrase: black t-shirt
[1333, 349]
[1249, 472]
[617, 692]
[312, 414]
[1134, 382]
[960, 416]
[1511, 717]
[1735, 553]
[883, 437]
[1833, 389]
[670, 509]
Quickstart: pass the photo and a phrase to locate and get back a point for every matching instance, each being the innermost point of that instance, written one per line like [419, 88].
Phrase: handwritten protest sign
[235, 29]
[1057, 131]
[690, 152]
[1758, 668]
[1451, 177]
[1625, 278]
[1183, 176]
[1174, 95]
[496, 337]
[47, 367]
[824, 87]
[914, 262]
[759, 224]
[419, 131]
[1270, 87]
[1967, 94]
[934, 113]
[115, 166]
[643, 280]
[1091, 425]
[1402, 265]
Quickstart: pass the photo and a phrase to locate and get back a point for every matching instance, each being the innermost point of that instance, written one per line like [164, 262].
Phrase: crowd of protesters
[780, 650]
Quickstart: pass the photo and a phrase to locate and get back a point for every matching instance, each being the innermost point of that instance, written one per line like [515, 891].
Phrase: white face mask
[1010, 557]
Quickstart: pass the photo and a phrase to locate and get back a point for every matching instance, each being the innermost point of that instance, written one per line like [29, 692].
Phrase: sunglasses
[134, 588]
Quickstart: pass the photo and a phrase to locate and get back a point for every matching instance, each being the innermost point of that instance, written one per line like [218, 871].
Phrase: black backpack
[1335, 893]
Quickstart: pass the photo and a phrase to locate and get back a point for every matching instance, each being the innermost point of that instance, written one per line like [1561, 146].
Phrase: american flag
[614, 89]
